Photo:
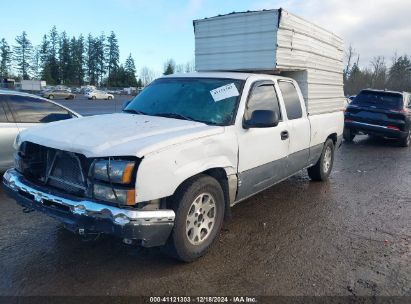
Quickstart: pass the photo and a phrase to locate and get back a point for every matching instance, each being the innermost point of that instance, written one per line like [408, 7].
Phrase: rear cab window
[383, 100]
[291, 99]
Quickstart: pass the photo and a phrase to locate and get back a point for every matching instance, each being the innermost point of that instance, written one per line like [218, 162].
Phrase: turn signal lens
[114, 195]
[127, 174]
[131, 197]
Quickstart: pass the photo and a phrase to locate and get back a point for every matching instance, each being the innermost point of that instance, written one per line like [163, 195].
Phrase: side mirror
[125, 104]
[262, 119]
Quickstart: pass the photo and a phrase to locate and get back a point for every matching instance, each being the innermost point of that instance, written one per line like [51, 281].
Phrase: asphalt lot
[349, 236]
[92, 107]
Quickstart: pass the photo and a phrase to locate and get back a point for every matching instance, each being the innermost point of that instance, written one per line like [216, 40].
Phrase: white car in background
[99, 95]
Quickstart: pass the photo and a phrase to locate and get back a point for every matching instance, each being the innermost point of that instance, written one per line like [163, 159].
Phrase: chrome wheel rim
[201, 218]
[327, 159]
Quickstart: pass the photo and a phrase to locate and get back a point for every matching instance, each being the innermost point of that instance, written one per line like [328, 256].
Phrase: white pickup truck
[167, 170]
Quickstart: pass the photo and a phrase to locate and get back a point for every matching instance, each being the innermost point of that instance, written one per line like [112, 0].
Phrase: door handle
[284, 135]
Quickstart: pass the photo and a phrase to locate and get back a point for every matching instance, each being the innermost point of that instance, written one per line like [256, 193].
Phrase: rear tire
[109, 98]
[322, 169]
[348, 135]
[199, 208]
[51, 97]
[405, 142]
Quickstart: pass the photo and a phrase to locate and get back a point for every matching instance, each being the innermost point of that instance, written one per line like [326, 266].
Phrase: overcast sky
[155, 30]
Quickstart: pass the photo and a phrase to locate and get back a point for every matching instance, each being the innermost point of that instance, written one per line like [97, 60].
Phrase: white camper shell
[275, 42]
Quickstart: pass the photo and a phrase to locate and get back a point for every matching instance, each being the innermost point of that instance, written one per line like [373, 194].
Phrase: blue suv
[379, 113]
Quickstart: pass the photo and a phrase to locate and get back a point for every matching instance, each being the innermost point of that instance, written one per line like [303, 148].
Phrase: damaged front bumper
[150, 228]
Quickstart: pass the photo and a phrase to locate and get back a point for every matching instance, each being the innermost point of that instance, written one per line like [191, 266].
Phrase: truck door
[298, 126]
[262, 151]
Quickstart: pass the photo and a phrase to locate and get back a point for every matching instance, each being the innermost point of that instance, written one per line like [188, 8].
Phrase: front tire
[93, 97]
[199, 208]
[51, 97]
[322, 169]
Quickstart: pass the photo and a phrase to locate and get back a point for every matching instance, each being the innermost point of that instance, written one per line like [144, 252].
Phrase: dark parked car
[19, 111]
[379, 113]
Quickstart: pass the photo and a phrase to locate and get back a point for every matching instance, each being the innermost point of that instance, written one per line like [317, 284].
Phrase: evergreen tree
[91, 61]
[64, 58]
[113, 55]
[22, 55]
[169, 67]
[53, 63]
[45, 61]
[36, 63]
[77, 60]
[130, 69]
[399, 75]
[5, 58]
[100, 56]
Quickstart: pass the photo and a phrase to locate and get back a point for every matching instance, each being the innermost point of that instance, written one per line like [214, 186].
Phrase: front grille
[62, 170]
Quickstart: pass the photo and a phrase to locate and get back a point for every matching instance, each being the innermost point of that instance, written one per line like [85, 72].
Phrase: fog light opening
[128, 241]
[121, 220]
[79, 210]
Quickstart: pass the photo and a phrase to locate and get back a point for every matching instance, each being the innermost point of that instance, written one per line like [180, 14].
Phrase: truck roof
[220, 74]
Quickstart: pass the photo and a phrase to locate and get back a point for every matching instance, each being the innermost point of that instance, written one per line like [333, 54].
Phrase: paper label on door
[224, 92]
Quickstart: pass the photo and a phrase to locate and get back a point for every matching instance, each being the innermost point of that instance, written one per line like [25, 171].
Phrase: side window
[263, 97]
[291, 100]
[33, 110]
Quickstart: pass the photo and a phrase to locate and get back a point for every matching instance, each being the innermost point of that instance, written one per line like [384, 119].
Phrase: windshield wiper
[174, 115]
[132, 111]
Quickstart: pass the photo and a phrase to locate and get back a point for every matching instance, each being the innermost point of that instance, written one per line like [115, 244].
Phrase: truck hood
[117, 134]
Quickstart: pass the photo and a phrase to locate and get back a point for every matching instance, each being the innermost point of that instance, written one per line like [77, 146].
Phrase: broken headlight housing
[113, 180]
[113, 171]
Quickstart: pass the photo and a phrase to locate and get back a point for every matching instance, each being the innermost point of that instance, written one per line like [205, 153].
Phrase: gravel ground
[349, 236]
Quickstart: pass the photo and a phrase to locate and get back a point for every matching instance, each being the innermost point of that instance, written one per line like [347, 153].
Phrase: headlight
[115, 171]
[115, 195]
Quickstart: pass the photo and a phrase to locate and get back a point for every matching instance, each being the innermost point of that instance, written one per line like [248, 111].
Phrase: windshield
[208, 100]
[379, 99]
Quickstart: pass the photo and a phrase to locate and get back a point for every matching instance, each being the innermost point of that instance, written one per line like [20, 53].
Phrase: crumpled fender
[161, 172]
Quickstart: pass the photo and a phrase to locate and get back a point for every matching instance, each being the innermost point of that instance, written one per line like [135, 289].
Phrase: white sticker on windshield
[224, 92]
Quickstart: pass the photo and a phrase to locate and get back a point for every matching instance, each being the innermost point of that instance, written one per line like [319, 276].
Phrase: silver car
[19, 111]
[97, 94]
